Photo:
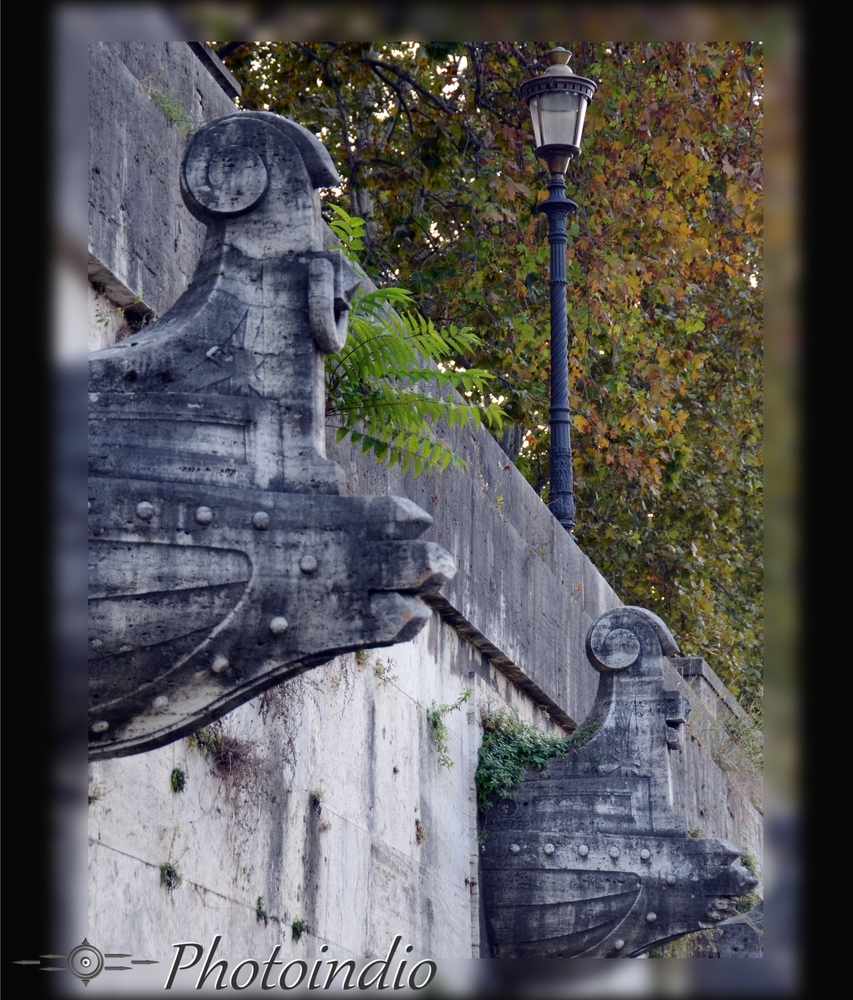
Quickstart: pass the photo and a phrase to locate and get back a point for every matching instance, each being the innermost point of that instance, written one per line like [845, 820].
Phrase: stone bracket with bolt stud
[222, 557]
[589, 859]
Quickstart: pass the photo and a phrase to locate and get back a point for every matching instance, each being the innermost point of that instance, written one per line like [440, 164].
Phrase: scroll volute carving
[589, 859]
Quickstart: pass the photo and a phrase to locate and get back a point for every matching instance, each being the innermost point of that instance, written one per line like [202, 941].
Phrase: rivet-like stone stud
[308, 564]
[278, 625]
[670, 880]
[548, 848]
[204, 515]
[583, 850]
[614, 852]
[161, 701]
[261, 520]
[651, 918]
[514, 849]
[644, 855]
[219, 664]
[619, 944]
[145, 510]
[101, 726]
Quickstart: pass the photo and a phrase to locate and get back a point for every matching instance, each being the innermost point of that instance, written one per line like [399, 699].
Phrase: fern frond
[398, 375]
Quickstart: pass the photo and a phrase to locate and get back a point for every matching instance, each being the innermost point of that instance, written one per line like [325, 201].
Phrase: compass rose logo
[85, 962]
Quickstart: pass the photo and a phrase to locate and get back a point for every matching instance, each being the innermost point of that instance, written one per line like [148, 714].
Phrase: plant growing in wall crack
[170, 873]
[96, 792]
[317, 795]
[232, 757]
[384, 670]
[440, 732]
[172, 106]
[393, 378]
[261, 913]
[298, 928]
[207, 740]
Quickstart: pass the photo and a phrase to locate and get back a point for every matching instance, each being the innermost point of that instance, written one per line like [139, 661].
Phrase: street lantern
[558, 100]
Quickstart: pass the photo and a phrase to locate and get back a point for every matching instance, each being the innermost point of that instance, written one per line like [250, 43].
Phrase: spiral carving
[618, 637]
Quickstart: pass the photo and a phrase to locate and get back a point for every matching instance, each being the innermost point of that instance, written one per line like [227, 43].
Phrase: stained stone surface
[589, 859]
[222, 557]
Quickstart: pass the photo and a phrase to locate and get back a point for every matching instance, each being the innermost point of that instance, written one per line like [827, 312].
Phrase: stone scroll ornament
[588, 859]
[222, 557]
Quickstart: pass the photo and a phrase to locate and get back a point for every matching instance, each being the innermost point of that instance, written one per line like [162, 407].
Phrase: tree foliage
[398, 375]
[665, 283]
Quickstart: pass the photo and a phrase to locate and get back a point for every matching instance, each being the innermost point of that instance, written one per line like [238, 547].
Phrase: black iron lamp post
[558, 101]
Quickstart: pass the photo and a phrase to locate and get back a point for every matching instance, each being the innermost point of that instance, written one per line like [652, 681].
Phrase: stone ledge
[216, 68]
[700, 676]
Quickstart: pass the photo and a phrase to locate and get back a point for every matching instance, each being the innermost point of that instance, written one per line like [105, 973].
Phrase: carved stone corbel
[589, 859]
[222, 557]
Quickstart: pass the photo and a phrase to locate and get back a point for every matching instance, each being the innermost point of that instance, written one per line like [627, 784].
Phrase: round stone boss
[222, 172]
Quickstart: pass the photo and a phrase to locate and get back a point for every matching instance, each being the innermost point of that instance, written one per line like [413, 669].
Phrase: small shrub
[178, 779]
[231, 756]
[96, 792]
[298, 928]
[172, 107]
[420, 832]
[236, 758]
[509, 745]
[435, 717]
[208, 741]
[170, 875]
[384, 671]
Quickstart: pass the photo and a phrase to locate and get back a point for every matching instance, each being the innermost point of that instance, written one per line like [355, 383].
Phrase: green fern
[349, 229]
[398, 375]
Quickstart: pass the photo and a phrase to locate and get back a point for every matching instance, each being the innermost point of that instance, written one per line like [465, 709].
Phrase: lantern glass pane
[555, 118]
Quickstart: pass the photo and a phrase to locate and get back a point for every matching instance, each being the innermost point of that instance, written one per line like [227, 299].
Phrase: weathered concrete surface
[142, 239]
[355, 730]
[528, 593]
[718, 778]
[741, 936]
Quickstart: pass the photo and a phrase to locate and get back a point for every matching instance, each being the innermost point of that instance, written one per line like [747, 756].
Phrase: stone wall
[334, 806]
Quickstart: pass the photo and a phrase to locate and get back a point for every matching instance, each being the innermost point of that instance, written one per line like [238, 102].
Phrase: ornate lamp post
[558, 100]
